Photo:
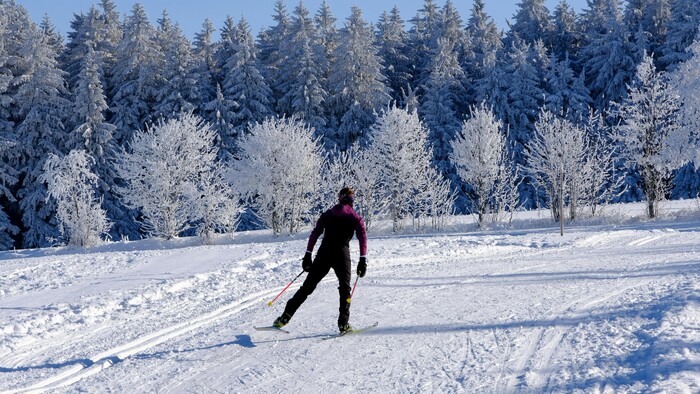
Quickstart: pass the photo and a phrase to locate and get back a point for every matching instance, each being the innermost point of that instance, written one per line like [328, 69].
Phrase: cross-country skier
[337, 226]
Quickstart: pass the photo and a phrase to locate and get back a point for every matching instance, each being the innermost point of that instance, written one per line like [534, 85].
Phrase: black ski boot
[281, 321]
[344, 328]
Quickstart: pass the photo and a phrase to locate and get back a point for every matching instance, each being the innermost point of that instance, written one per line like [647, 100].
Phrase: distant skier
[337, 226]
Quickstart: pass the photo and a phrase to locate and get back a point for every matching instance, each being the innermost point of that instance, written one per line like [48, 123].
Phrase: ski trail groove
[118, 354]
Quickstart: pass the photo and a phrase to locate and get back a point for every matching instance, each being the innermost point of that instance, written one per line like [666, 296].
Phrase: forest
[126, 129]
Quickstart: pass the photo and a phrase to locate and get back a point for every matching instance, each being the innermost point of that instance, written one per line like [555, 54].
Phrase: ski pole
[353, 290]
[285, 289]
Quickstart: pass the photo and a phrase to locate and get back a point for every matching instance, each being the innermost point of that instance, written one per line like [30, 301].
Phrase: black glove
[306, 262]
[362, 267]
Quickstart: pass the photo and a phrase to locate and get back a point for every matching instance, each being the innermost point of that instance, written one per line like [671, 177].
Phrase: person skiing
[337, 226]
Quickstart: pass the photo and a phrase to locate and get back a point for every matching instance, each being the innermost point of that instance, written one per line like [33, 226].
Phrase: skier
[337, 226]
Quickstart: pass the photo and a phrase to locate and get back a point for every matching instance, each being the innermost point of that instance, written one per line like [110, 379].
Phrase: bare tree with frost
[78, 209]
[171, 174]
[480, 156]
[278, 170]
[410, 186]
[555, 158]
[650, 133]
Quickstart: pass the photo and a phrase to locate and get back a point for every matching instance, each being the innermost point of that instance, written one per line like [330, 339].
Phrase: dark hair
[346, 195]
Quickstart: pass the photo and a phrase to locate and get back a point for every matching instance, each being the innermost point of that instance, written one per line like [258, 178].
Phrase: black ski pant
[337, 259]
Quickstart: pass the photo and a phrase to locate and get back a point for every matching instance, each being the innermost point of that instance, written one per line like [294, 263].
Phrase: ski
[271, 328]
[353, 331]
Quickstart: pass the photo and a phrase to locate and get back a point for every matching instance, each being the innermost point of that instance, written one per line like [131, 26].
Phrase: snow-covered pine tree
[271, 43]
[92, 133]
[606, 54]
[682, 31]
[392, 41]
[136, 76]
[480, 155]
[221, 116]
[42, 105]
[686, 80]
[443, 93]
[555, 161]
[327, 39]
[356, 83]
[170, 170]
[651, 137]
[566, 94]
[72, 184]
[565, 37]
[485, 41]
[408, 184]
[85, 33]
[279, 172]
[648, 19]
[422, 38]
[531, 23]
[8, 175]
[180, 91]
[205, 66]
[244, 84]
[303, 93]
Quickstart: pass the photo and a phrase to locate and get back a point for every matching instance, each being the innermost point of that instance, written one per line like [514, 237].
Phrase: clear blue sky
[191, 14]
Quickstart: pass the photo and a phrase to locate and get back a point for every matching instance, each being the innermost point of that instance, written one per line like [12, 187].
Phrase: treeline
[117, 74]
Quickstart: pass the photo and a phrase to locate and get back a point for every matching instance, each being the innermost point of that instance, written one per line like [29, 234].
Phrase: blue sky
[191, 14]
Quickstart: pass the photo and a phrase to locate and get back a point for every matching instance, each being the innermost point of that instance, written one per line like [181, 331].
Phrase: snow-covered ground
[613, 306]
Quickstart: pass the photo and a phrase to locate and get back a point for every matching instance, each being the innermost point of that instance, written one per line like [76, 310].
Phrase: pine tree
[271, 43]
[481, 63]
[205, 65]
[530, 22]
[566, 94]
[607, 54]
[682, 30]
[8, 175]
[392, 41]
[42, 106]
[357, 86]
[303, 93]
[565, 36]
[649, 19]
[180, 91]
[135, 76]
[327, 39]
[443, 91]
[244, 84]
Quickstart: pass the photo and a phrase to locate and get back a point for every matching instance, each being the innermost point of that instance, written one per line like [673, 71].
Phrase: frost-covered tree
[566, 94]
[686, 80]
[136, 75]
[244, 84]
[531, 22]
[356, 168]
[167, 167]
[73, 185]
[303, 93]
[565, 37]
[555, 159]
[205, 70]
[271, 43]
[42, 105]
[410, 186]
[649, 18]
[180, 91]
[682, 31]
[221, 116]
[651, 137]
[278, 170]
[485, 40]
[392, 41]
[356, 82]
[327, 38]
[443, 92]
[8, 175]
[480, 155]
[607, 54]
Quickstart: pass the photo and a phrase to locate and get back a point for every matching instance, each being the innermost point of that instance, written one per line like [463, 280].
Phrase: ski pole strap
[353, 290]
[285, 289]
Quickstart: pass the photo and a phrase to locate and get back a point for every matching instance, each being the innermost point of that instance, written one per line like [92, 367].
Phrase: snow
[612, 306]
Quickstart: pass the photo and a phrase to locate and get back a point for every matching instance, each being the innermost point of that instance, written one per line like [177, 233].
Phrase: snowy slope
[606, 308]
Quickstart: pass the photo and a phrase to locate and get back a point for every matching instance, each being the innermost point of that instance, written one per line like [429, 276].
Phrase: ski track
[519, 347]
